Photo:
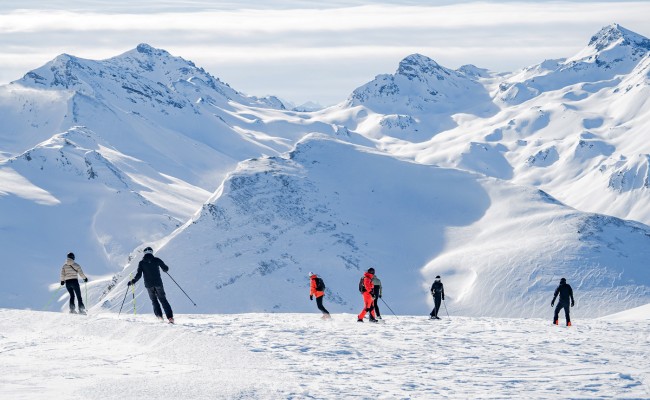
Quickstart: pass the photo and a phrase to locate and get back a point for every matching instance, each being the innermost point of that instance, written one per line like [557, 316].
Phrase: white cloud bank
[303, 52]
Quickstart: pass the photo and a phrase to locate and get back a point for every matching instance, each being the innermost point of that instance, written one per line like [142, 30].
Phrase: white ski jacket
[70, 270]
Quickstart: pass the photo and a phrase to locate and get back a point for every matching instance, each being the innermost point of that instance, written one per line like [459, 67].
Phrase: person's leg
[566, 313]
[370, 305]
[68, 286]
[377, 307]
[77, 291]
[437, 300]
[556, 314]
[367, 306]
[154, 302]
[319, 303]
[160, 292]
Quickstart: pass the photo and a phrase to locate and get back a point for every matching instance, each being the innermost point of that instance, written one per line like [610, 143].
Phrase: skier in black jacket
[149, 267]
[566, 293]
[438, 293]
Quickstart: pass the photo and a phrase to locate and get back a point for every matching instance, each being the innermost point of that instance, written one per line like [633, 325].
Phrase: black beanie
[71, 256]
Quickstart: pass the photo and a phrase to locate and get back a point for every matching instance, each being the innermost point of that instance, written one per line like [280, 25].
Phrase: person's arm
[368, 284]
[137, 277]
[63, 274]
[381, 289]
[81, 272]
[312, 288]
[432, 290]
[162, 265]
[555, 295]
[443, 290]
[571, 296]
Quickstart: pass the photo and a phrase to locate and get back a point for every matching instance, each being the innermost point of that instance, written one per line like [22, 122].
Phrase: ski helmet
[71, 256]
[311, 274]
[563, 280]
[148, 250]
[371, 270]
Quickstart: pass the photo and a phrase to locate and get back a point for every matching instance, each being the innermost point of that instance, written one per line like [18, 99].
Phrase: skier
[438, 293]
[566, 293]
[317, 288]
[148, 267]
[376, 294]
[366, 288]
[69, 273]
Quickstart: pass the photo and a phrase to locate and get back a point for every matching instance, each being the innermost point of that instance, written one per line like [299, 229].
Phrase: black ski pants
[437, 300]
[561, 305]
[73, 288]
[157, 293]
[377, 313]
[319, 303]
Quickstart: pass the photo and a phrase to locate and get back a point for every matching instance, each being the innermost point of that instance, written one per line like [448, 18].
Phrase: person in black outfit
[566, 293]
[438, 293]
[149, 267]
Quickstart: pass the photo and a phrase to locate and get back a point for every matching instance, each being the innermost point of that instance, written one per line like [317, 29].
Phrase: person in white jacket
[69, 273]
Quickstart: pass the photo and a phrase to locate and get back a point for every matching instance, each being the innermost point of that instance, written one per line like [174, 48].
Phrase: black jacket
[148, 267]
[438, 289]
[565, 291]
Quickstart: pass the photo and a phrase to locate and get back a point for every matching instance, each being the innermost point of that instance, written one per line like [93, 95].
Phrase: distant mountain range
[501, 182]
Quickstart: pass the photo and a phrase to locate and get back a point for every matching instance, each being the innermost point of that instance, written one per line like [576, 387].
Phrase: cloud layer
[300, 51]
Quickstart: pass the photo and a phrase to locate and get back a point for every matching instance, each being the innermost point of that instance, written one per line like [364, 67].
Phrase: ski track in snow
[298, 356]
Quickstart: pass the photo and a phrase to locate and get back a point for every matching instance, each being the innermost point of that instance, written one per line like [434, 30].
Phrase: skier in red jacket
[318, 292]
[366, 288]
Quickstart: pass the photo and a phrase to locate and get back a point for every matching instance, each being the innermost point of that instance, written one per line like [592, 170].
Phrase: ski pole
[179, 286]
[123, 300]
[86, 290]
[52, 297]
[443, 302]
[391, 310]
[133, 292]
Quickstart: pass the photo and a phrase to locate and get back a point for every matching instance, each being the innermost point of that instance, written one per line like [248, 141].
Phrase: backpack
[320, 284]
[362, 287]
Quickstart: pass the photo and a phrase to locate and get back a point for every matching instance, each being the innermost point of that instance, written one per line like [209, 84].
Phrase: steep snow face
[337, 209]
[420, 85]
[613, 51]
[418, 100]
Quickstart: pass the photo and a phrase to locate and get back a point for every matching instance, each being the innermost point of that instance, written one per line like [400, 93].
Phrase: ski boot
[171, 320]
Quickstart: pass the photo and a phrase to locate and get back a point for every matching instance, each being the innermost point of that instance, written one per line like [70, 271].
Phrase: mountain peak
[615, 34]
[416, 66]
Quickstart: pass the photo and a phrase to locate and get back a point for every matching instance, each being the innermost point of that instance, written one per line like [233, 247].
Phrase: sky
[303, 50]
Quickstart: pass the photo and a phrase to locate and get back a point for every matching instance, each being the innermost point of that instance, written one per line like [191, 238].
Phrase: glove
[85, 279]
[311, 297]
[552, 303]
[129, 283]
[443, 298]
[573, 303]
[62, 283]
[380, 296]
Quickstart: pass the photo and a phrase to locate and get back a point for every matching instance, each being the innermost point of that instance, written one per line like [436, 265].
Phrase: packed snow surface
[297, 356]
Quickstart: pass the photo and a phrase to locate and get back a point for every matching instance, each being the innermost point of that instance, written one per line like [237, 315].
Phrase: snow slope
[262, 356]
[337, 209]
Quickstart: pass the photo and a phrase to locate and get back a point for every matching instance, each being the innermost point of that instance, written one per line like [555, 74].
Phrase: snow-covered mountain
[336, 209]
[422, 172]
[98, 157]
